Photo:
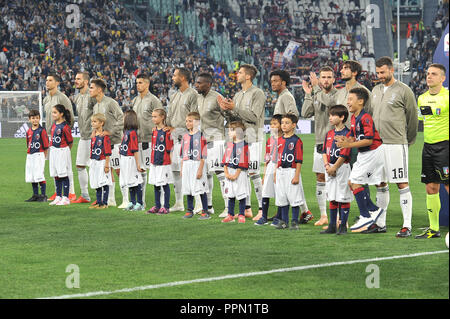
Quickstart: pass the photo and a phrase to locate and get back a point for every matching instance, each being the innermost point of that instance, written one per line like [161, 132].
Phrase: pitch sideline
[242, 275]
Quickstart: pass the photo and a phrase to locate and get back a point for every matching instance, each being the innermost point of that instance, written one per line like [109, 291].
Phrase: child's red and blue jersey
[330, 148]
[290, 151]
[236, 155]
[193, 147]
[271, 150]
[129, 144]
[100, 147]
[362, 128]
[162, 145]
[37, 140]
[61, 135]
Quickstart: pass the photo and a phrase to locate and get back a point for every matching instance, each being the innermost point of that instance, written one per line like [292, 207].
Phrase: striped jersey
[271, 154]
[61, 135]
[129, 144]
[362, 128]
[236, 155]
[100, 147]
[330, 148]
[193, 147]
[290, 151]
[37, 140]
[162, 145]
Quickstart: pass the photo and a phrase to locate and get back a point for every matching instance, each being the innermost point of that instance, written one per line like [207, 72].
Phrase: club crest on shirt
[161, 138]
[291, 146]
[58, 131]
[99, 143]
[37, 136]
[125, 138]
[195, 143]
[238, 152]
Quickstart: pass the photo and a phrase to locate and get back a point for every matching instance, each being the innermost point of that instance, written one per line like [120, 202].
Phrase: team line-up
[361, 139]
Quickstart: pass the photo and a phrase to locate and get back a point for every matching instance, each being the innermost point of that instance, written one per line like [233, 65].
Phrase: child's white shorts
[369, 168]
[34, 168]
[60, 161]
[287, 193]
[190, 184]
[268, 188]
[160, 175]
[239, 188]
[129, 175]
[337, 187]
[97, 176]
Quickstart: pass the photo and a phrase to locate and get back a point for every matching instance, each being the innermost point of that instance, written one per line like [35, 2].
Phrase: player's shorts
[240, 188]
[190, 184]
[129, 175]
[254, 157]
[337, 187]
[215, 151]
[268, 188]
[97, 176]
[34, 168]
[435, 163]
[60, 161]
[145, 153]
[396, 163]
[287, 193]
[175, 157]
[369, 168]
[318, 164]
[115, 156]
[160, 175]
[83, 152]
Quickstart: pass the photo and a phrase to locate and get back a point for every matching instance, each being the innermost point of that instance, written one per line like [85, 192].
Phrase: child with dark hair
[37, 144]
[130, 169]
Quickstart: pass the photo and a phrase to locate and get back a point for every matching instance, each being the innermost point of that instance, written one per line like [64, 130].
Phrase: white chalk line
[249, 274]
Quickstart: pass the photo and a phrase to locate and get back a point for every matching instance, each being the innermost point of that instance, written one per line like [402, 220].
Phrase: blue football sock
[285, 214]
[139, 194]
[295, 213]
[133, 195]
[242, 206]
[190, 203]
[35, 188]
[265, 207]
[157, 196]
[166, 196]
[105, 194]
[43, 187]
[204, 198]
[231, 206]
[98, 194]
[361, 200]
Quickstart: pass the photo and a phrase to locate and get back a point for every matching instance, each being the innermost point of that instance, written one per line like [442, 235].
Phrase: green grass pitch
[115, 249]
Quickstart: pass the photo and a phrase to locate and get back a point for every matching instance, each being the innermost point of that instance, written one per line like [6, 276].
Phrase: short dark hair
[85, 75]
[250, 70]
[438, 66]
[34, 113]
[339, 110]
[354, 66]
[184, 73]
[290, 116]
[277, 117]
[207, 76]
[326, 68]
[360, 93]
[55, 76]
[283, 74]
[194, 115]
[100, 84]
[144, 76]
[385, 60]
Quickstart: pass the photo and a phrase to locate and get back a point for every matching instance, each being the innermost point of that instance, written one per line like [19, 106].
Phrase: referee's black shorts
[435, 163]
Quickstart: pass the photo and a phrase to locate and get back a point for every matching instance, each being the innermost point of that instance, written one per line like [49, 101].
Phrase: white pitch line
[249, 274]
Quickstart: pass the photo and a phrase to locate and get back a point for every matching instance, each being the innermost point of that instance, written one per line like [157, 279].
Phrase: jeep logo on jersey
[124, 148]
[160, 148]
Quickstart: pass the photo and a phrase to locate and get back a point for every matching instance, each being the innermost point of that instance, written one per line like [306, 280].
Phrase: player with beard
[213, 128]
[320, 95]
[247, 106]
[55, 97]
[144, 104]
[395, 116]
[84, 105]
[181, 103]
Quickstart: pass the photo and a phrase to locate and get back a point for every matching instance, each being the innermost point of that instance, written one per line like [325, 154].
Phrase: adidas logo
[22, 131]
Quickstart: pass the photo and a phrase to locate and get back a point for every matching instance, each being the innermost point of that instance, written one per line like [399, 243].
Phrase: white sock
[112, 192]
[125, 192]
[304, 206]
[406, 205]
[321, 198]
[383, 198]
[177, 183]
[211, 187]
[221, 178]
[71, 183]
[83, 179]
[144, 186]
[257, 184]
